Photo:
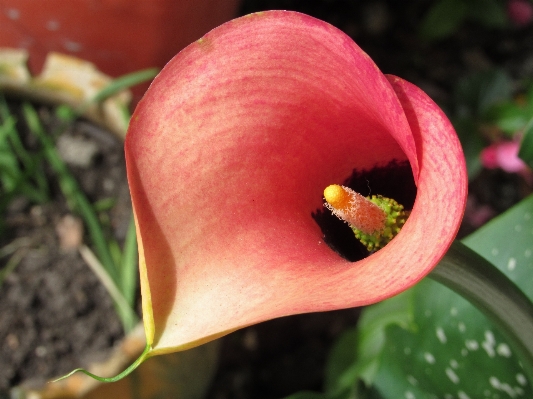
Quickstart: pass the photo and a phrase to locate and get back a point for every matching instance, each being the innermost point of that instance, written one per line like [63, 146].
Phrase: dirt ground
[53, 310]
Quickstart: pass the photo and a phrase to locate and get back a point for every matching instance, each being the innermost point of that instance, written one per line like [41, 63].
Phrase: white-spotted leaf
[449, 349]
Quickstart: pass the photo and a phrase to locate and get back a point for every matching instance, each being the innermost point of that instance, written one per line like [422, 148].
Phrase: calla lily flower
[228, 154]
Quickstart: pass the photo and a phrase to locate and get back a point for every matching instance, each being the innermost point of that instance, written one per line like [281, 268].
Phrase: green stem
[487, 288]
[120, 376]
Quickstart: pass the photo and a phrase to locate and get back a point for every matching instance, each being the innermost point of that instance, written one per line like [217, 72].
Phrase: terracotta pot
[118, 36]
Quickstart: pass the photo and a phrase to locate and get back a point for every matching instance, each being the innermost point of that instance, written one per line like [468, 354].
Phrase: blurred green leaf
[11, 264]
[342, 361]
[65, 113]
[21, 172]
[529, 96]
[342, 370]
[443, 19]
[104, 204]
[490, 13]
[471, 142]
[526, 147]
[9, 165]
[509, 117]
[69, 186]
[476, 93]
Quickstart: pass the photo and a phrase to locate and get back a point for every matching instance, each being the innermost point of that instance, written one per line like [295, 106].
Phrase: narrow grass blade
[75, 197]
[125, 82]
[124, 310]
[129, 271]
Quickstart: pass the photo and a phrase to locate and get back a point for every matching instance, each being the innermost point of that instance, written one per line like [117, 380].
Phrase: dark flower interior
[395, 180]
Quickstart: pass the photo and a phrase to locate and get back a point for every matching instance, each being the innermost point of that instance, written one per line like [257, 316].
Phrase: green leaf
[443, 19]
[476, 93]
[486, 287]
[509, 117]
[342, 360]
[21, 172]
[507, 242]
[471, 142]
[526, 147]
[451, 349]
[455, 351]
[104, 204]
[10, 172]
[125, 82]
[342, 370]
[65, 113]
[129, 272]
[490, 13]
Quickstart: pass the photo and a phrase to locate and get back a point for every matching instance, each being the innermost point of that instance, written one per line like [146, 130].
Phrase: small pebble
[12, 341]
[250, 340]
[70, 232]
[76, 151]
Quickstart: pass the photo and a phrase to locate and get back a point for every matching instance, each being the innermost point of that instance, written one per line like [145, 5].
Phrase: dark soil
[54, 313]
[55, 316]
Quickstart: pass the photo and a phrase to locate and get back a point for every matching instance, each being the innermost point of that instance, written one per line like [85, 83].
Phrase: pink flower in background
[503, 155]
[520, 12]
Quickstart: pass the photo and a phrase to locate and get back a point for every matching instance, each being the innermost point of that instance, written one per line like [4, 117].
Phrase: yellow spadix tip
[375, 221]
[353, 208]
[336, 196]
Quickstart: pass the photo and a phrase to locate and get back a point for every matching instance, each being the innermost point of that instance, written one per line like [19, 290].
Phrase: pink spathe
[228, 154]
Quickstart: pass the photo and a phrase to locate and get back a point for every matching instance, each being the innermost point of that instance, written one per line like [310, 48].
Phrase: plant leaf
[124, 83]
[490, 13]
[472, 144]
[451, 348]
[511, 118]
[455, 350]
[476, 93]
[443, 19]
[357, 353]
[526, 147]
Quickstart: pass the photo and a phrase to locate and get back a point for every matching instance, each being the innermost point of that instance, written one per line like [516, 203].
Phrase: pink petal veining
[228, 154]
